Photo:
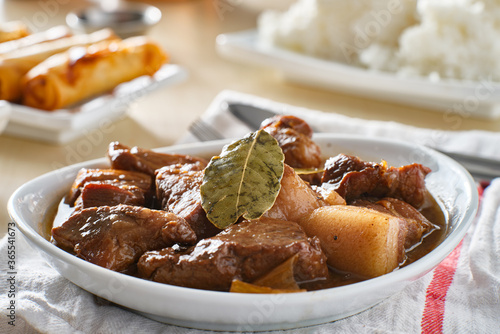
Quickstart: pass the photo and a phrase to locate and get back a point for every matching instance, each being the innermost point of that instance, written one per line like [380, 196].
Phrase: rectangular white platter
[476, 99]
[64, 125]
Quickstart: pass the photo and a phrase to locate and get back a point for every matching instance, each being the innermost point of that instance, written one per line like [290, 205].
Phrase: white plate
[464, 98]
[63, 125]
[449, 183]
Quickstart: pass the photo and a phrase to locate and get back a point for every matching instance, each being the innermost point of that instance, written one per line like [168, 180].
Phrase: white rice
[457, 39]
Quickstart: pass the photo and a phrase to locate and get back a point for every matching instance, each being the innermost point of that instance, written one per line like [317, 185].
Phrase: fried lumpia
[12, 30]
[14, 65]
[84, 72]
[51, 34]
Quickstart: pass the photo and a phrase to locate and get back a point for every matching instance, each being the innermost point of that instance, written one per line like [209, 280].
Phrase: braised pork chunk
[110, 187]
[178, 191]
[353, 178]
[110, 194]
[245, 251]
[146, 161]
[115, 237]
[294, 137]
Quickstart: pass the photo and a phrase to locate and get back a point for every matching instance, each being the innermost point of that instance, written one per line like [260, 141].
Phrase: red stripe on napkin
[435, 297]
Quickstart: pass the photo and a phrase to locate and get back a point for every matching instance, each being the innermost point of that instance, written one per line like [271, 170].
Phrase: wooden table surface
[187, 31]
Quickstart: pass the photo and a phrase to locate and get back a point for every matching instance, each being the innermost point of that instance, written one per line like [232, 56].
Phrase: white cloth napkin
[462, 295]
[477, 142]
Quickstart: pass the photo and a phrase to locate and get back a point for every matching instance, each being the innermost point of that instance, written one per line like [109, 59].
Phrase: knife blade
[479, 167]
[250, 115]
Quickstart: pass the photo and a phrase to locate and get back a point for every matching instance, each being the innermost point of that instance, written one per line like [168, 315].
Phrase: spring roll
[51, 34]
[10, 31]
[14, 65]
[85, 72]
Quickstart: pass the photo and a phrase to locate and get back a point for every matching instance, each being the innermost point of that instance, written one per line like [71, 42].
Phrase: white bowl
[449, 183]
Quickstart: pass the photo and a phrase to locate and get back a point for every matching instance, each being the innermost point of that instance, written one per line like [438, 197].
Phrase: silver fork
[204, 131]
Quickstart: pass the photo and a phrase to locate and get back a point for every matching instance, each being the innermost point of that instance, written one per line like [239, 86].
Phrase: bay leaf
[244, 180]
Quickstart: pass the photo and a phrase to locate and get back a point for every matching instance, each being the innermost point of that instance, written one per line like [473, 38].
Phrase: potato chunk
[358, 240]
[296, 198]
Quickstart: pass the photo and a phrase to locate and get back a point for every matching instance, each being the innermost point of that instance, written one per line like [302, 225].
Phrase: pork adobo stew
[334, 221]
